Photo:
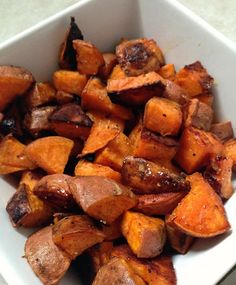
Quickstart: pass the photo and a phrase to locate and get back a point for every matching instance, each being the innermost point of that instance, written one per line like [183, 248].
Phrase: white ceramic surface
[184, 38]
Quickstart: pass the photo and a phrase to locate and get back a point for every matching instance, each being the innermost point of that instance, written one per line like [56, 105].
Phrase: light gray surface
[16, 16]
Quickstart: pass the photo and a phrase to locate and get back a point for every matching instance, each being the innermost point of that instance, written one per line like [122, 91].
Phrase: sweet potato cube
[14, 81]
[50, 153]
[86, 168]
[102, 198]
[206, 98]
[175, 93]
[117, 73]
[74, 234]
[112, 231]
[201, 212]
[89, 58]
[110, 62]
[230, 151]
[162, 116]
[223, 130]
[69, 81]
[196, 148]
[167, 71]
[145, 235]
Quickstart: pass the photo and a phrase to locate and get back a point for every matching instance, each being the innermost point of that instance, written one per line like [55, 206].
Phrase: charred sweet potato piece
[206, 98]
[175, 93]
[139, 56]
[194, 79]
[117, 73]
[230, 151]
[86, 168]
[219, 174]
[50, 153]
[110, 62]
[196, 147]
[36, 120]
[145, 235]
[55, 190]
[74, 234]
[14, 81]
[167, 71]
[115, 152]
[63, 97]
[102, 198]
[48, 261]
[89, 58]
[146, 177]
[155, 271]
[223, 131]
[69, 81]
[197, 114]
[70, 121]
[159, 204]
[11, 121]
[112, 231]
[201, 212]
[162, 116]
[12, 156]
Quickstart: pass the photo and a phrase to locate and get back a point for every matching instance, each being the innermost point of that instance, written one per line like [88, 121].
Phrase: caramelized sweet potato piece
[86, 168]
[50, 153]
[102, 198]
[230, 151]
[167, 71]
[112, 231]
[146, 177]
[139, 56]
[162, 116]
[117, 73]
[223, 131]
[196, 148]
[69, 81]
[70, 121]
[201, 212]
[14, 81]
[194, 79]
[219, 174]
[89, 58]
[145, 235]
[48, 261]
[74, 234]
[175, 93]
[206, 98]
[110, 61]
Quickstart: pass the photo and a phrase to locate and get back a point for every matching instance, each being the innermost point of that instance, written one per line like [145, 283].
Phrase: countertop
[16, 16]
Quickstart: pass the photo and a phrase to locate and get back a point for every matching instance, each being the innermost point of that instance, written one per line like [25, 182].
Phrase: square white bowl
[184, 38]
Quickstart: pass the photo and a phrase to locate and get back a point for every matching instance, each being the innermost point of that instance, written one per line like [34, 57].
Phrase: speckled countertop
[16, 16]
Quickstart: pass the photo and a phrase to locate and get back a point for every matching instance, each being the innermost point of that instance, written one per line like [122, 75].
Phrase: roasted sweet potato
[146, 177]
[69, 81]
[70, 121]
[175, 93]
[88, 57]
[115, 152]
[117, 73]
[112, 231]
[110, 61]
[86, 168]
[201, 212]
[145, 235]
[162, 116]
[63, 97]
[13, 157]
[74, 234]
[102, 198]
[50, 153]
[223, 131]
[167, 71]
[156, 271]
[48, 261]
[139, 56]
[55, 190]
[230, 151]
[14, 81]
[206, 98]
[196, 148]
[194, 79]
[219, 174]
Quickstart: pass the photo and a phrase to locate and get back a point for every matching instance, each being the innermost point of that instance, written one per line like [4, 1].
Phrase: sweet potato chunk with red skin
[201, 212]
[230, 151]
[168, 71]
[155, 271]
[110, 62]
[50, 153]
[175, 93]
[223, 130]
[74, 234]
[69, 81]
[47, 261]
[139, 56]
[112, 231]
[162, 116]
[102, 198]
[196, 147]
[14, 82]
[89, 58]
[219, 174]
[206, 98]
[146, 177]
[159, 204]
[198, 115]
[86, 168]
[194, 79]
[117, 73]
[145, 235]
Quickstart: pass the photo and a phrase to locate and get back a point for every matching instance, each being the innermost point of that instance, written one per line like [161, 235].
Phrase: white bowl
[184, 38]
